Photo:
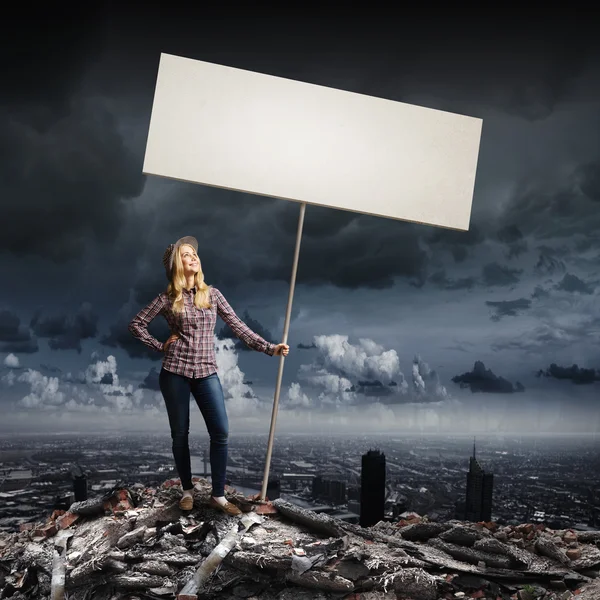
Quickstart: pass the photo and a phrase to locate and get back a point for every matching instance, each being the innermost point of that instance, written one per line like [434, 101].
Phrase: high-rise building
[480, 485]
[330, 489]
[80, 484]
[372, 488]
[273, 488]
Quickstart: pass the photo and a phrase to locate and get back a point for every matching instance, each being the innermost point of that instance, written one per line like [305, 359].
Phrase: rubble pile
[136, 543]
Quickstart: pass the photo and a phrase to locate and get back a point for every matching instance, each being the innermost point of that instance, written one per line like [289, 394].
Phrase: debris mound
[135, 543]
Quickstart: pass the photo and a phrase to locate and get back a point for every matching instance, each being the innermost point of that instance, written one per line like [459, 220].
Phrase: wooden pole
[288, 314]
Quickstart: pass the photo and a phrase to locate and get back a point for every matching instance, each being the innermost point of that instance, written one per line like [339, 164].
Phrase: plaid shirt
[193, 354]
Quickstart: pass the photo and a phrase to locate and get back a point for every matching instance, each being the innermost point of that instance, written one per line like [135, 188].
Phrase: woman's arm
[239, 328]
[139, 324]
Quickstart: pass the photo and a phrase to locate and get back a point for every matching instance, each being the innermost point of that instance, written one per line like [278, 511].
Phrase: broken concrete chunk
[463, 536]
[131, 538]
[136, 582]
[81, 575]
[316, 521]
[421, 532]
[155, 567]
[88, 508]
[352, 569]
[588, 536]
[471, 555]
[321, 581]
[117, 565]
[548, 548]
[415, 583]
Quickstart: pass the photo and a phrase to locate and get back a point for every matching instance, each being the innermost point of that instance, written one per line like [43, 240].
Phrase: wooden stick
[286, 327]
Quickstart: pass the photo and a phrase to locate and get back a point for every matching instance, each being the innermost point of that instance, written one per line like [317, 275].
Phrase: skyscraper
[480, 486]
[372, 488]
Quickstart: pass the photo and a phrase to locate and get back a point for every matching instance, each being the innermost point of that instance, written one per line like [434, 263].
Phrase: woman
[190, 307]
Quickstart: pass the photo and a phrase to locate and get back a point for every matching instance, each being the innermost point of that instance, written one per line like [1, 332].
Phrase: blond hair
[179, 282]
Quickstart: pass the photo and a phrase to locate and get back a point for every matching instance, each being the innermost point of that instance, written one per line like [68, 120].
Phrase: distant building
[480, 485]
[273, 488]
[372, 488]
[80, 487]
[80, 483]
[15, 479]
[331, 489]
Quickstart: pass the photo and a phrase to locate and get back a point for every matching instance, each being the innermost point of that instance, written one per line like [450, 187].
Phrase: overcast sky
[395, 326]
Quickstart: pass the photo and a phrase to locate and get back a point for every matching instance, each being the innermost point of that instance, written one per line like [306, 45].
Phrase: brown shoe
[228, 508]
[186, 503]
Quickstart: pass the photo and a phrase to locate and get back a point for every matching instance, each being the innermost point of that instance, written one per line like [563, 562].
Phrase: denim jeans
[208, 393]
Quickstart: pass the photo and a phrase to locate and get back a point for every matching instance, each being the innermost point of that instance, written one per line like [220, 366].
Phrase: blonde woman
[190, 307]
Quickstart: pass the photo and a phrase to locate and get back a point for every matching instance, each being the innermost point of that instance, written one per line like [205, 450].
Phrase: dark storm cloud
[573, 373]
[65, 168]
[242, 237]
[481, 379]
[497, 275]
[548, 264]
[24, 347]
[66, 331]
[457, 243]
[512, 236]
[440, 279]
[508, 308]
[107, 379]
[523, 68]
[373, 388]
[151, 381]
[587, 177]
[226, 333]
[44, 56]
[572, 283]
[120, 337]
[362, 251]
[539, 292]
[13, 336]
[558, 209]
[63, 185]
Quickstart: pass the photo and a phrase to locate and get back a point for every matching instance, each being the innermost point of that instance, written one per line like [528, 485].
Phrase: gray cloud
[226, 332]
[440, 279]
[120, 337]
[151, 381]
[509, 308]
[497, 275]
[66, 331]
[512, 236]
[458, 243]
[572, 283]
[481, 379]
[573, 373]
[555, 206]
[64, 184]
[361, 251]
[13, 336]
[375, 388]
[587, 178]
[548, 264]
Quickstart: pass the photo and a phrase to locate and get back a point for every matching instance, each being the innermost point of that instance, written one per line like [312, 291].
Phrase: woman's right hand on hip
[171, 339]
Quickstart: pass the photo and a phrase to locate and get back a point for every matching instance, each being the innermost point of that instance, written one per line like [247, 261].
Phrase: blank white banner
[231, 128]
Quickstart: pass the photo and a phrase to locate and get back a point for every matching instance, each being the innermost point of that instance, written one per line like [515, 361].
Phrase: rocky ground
[135, 543]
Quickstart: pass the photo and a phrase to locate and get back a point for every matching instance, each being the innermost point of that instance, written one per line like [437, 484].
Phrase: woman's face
[190, 260]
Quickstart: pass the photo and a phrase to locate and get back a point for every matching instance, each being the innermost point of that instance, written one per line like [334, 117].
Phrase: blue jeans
[208, 393]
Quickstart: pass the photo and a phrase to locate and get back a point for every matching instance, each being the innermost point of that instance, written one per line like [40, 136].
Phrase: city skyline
[395, 326]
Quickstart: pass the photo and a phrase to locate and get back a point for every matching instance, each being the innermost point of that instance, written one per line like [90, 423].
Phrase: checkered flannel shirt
[193, 354]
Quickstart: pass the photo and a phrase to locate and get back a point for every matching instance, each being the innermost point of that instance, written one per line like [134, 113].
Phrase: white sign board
[231, 128]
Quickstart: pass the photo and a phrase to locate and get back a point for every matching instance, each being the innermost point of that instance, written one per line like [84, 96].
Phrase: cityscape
[554, 480]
